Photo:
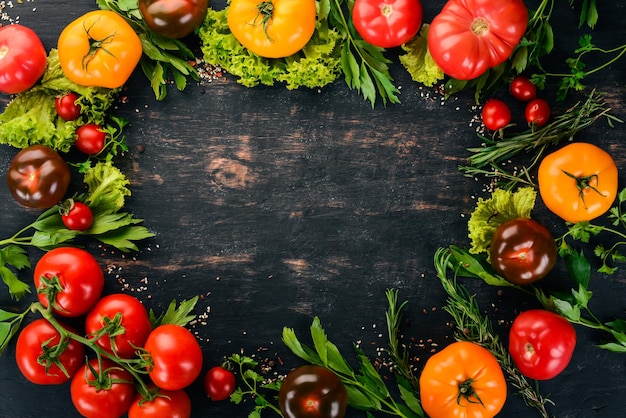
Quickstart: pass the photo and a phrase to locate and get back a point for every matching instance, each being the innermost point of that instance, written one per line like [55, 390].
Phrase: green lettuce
[418, 61]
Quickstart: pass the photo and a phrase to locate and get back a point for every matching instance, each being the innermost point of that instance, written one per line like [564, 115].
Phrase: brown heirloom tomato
[38, 177]
[522, 251]
[173, 18]
[312, 392]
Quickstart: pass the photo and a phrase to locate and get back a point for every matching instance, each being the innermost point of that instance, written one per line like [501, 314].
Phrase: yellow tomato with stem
[272, 28]
[578, 182]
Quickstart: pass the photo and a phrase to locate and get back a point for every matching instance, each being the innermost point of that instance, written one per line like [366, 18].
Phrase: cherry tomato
[161, 403]
[219, 383]
[23, 58]
[66, 106]
[41, 366]
[75, 215]
[122, 316]
[103, 390]
[578, 182]
[90, 139]
[176, 356]
[462, 380]
[470, 36]
[312, 392]
[523, 89]
[522, 251]
[538, 112]
[496, 114]
[541, 343]
[71, 278]
[173, 18]
[387, 23]
[38, 177]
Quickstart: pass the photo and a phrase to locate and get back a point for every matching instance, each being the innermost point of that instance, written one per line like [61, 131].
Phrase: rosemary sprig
[472, 325]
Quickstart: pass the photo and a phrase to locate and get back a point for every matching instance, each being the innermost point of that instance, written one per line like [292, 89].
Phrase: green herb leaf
[177, 315]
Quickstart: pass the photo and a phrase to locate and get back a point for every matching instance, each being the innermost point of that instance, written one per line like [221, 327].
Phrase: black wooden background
[276, 206]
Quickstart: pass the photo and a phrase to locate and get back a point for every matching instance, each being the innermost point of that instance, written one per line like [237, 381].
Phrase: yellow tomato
[99, 49]
[272, 28]
[578, 182]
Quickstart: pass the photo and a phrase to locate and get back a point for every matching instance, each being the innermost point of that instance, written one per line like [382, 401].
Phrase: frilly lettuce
[418, 61]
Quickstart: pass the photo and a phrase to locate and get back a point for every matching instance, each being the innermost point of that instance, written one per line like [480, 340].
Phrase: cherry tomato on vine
[46, 366]
[387, 23]
[23, 58]
[90, 139]
[38, 177]
[522, 88]
[462, 380]
[522, 251]
[161, 403]
[496, 114]
[176, 356]
[122, 323]
[538, 112]
[76, 216]
[578, 182]
[273, 29]
[541, 343]
[66, 106]
[71, 277]
[312, 391]
[173, 18]
[219, 383]
[103, 390]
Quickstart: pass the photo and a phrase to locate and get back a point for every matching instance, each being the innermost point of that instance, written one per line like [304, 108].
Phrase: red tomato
[38, 177]
[387, 23]
[71, 278]
[106, 394]
[122, 316]
[76, 216]
[522, 88]
[219, 383]
[90, 139]
[541, 343]
[23, 58]
[164, 403]
[32, 359]
[470, 36]
[66, 106]
[537, 112]
[176, 356]
[496, 114]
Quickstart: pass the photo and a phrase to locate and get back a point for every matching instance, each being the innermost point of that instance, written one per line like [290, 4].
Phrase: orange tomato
[99, 49]
[464, 380]
[578, 182]
[272, 28]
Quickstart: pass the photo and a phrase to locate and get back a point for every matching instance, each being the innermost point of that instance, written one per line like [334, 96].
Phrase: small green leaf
[180, 315]
[578, 267]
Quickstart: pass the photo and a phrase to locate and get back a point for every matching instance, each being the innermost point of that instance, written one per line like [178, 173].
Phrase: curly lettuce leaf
[107, 188]
[490, 213]
[418, 61]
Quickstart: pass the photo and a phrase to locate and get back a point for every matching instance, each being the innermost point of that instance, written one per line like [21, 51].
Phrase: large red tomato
[470, 36]
[22, 58]
[387, 23]
[163, 403]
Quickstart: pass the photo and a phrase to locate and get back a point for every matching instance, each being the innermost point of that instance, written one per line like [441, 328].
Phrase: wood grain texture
[276, 206]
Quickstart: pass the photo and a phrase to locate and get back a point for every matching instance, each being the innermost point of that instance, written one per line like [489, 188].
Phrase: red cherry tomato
[176, 356]
[496, 114]
[32, 359]
[90, 139]
[23, 58]
[76, 216]
[541, 343]
[219, 383]
[71, 277]
[106, 394]
[522, 251]
[538, 112]
[66, 106]
[125, 318]
[523, 89]
[387, 23]
[163, 403]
